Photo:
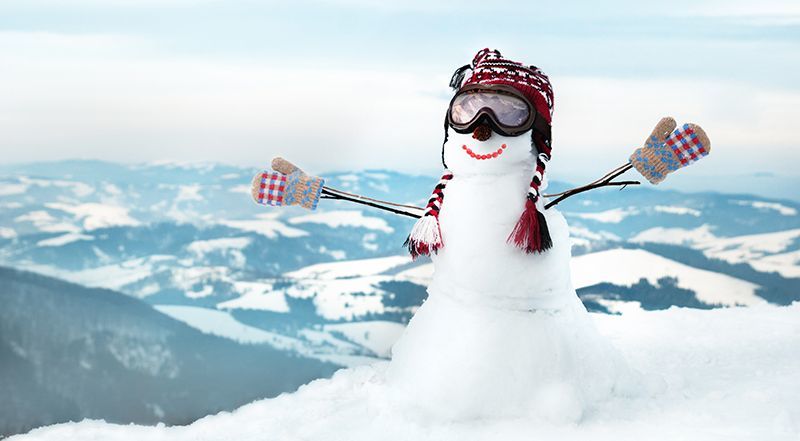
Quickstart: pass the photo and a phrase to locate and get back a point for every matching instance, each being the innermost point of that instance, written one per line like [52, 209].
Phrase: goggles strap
[458, 76]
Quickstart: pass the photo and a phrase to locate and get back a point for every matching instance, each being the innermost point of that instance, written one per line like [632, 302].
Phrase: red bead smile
[492, 155]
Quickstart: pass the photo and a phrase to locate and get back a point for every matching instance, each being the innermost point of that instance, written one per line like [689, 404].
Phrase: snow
[45, 222]
[764, 252]
[378, 336]
[785, 264]
[344, 218]
[37, 217]
[350, 268]
[581, 232]
[256, 295]
[746, 248]
[189, 193]
[342, 299]
[114, 276]
[205, 291]
[675, 236]
[265, 225]
[112, 189]
[709, 378]
[341, 290]
[338, 343]
[613, 216]
[420, 274]
[202, 247]
[79, 189]
[761, 205]
[222, 324]
[96, 215]
[348, 178]
[368, 242]
[63, 240]
[12, 189]
[376, 175]
[228, 246]
[672, 209]
[190, 278]
[626, 267]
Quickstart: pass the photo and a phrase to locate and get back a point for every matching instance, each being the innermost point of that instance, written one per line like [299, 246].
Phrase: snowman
[502, 332]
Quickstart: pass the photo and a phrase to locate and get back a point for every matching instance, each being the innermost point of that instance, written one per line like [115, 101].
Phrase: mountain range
[197, 262]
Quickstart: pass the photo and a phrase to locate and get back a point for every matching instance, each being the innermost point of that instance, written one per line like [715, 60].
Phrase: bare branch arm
[374, 203]
[605, 181]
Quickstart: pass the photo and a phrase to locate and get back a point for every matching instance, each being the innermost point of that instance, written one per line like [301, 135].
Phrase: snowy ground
[724, 374]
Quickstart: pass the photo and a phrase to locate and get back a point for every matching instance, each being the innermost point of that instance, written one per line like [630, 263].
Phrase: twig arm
[327, 194]
[605, 181]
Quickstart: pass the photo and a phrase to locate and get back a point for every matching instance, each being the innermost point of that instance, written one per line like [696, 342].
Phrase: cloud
[109, 97]
[137, 109]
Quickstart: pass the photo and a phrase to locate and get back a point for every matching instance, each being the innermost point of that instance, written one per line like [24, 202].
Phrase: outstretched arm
[289, 185]
[605, 181]
[666, 149]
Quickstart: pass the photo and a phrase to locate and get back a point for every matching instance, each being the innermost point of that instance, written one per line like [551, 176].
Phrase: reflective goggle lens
[509, 110]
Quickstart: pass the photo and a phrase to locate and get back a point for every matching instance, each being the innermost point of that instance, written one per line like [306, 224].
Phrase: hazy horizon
[346, 84]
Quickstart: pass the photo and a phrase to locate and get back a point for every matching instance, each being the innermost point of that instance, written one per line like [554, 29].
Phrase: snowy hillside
[187, 239]
[724, 374]
[68, 352]
[336, 285]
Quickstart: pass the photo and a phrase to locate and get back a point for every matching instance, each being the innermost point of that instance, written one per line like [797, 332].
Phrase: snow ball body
[503, 333]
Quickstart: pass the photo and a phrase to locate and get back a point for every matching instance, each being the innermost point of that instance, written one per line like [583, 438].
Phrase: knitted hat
[530, 233]
[489, 67]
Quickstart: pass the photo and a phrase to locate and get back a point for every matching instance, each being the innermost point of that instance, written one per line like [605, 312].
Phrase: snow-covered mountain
[336, 285]
[68, 352]
[188, 235]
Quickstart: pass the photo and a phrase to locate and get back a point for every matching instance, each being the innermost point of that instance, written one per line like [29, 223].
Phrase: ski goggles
[499, 106]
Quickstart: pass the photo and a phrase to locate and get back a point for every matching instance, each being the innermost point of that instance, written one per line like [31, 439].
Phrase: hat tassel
[531, 233]
[425, 237]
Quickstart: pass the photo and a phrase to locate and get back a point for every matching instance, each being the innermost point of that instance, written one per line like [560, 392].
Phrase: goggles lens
[510, 111]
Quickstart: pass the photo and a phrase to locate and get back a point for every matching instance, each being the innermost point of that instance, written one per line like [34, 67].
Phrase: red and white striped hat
[489, 67]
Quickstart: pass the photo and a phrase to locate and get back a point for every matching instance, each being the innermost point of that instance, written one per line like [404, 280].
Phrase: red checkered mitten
[288, 185]
[668, 149]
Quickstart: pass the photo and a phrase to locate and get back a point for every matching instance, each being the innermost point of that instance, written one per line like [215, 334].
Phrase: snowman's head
[499, 118]
[498, 122]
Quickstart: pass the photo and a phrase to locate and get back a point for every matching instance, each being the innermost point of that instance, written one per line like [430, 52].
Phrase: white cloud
[110, 97]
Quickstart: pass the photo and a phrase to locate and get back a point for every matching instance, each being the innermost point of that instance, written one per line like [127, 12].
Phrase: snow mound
[724, 374]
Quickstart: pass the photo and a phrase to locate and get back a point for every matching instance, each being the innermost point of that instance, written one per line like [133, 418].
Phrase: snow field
[723, 374]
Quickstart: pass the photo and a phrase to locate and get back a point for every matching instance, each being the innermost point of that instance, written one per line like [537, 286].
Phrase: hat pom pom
[531, 233]
[425, 237]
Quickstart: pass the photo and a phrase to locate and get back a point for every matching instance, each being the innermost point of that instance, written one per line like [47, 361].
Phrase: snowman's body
[503, 332]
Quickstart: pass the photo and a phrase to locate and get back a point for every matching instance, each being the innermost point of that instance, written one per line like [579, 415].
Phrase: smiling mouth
[492, 155]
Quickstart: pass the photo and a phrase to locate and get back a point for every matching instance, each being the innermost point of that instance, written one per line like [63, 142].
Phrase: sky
[349, 84]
